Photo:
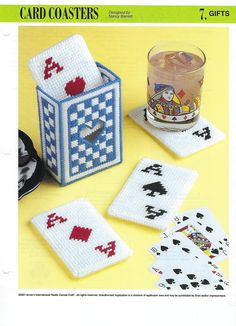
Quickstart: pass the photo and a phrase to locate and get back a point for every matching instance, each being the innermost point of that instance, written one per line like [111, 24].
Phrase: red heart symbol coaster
[76, 86]
[163, 116]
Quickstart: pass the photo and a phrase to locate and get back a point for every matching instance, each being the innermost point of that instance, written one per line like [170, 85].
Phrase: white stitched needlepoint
[200, 136]
[66, 69]
[81, 237]
[153, 193]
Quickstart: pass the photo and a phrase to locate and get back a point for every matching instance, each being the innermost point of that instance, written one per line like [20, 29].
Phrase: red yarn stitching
[52, 219]
[80, 233]
[109, 250]
[51, 65]
[74, 87]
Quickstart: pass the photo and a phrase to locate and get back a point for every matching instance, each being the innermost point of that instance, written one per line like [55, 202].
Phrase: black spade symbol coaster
[191, 276]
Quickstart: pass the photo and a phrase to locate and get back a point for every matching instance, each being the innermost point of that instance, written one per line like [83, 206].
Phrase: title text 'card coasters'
[81, 237]
[66, 69]
[184, 143]
[153, 193]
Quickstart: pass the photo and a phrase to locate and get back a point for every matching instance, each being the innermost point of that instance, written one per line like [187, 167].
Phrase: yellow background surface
[123, 50]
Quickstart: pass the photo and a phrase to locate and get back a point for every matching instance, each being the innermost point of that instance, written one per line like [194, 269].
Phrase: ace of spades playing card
[66, 69]
[153, 193]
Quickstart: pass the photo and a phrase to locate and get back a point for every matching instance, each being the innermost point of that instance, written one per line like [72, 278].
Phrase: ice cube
[180, 58]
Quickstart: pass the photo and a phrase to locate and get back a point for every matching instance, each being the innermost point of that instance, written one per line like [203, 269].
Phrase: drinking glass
[175, 78]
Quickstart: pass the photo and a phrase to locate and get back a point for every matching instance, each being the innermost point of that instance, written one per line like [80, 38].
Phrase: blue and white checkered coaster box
[81, 135]
[81, 237]
[153, 193]
[200, 136]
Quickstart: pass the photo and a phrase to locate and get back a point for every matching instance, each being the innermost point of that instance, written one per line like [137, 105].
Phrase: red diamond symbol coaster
[181, 93]
[81, 237]
[80, 233]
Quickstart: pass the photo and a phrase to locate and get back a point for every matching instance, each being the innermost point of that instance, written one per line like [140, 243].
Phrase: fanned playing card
[184, 266]
[202, 228]
[190, 276]
[200, 136]
[81, 237]
[153, 193]
[178, 246]
[66, 69]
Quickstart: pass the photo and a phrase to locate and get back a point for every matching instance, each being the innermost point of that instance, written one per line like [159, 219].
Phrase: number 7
[202, 11]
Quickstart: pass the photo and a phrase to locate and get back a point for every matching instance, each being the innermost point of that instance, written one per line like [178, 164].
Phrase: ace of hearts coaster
[81, 237]
[66, 69]
[153, 193]
[185, 143]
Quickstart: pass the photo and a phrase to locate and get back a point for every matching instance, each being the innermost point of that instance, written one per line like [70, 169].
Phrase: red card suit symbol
[51, 66]
[181, 93]
[74, 87]
[80, 233]
[52, 218]
[109, 250]
[163, 116]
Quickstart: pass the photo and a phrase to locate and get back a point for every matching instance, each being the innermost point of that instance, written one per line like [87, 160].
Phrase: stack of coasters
[153, 193]
[81, 237]
[30, 167]
[184, 143]
[79, 105]
[187, 256]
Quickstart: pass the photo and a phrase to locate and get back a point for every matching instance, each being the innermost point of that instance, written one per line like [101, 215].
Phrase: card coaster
[184, 143]
[81, 237]
[66, 69]
[153, 193]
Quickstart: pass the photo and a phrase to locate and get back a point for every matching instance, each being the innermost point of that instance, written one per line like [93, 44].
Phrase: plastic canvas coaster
[153, 193]
[66, 69]
[184, 143]
[81, 237]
